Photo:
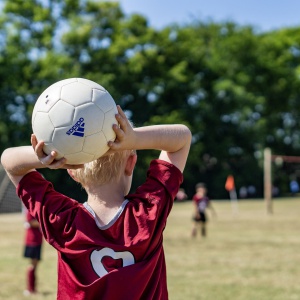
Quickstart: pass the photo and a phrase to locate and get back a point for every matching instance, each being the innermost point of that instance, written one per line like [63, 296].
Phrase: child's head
[106, 169]
[201, 188]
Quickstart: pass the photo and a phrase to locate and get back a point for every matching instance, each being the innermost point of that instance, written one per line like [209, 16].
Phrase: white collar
[112, 221]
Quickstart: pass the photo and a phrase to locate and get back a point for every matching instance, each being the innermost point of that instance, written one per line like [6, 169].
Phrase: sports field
[248, 255]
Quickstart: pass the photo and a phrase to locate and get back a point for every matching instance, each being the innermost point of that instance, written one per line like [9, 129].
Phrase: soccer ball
[74, 117]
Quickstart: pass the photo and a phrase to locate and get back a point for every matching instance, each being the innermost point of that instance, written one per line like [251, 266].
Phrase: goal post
[268, 159]
[268, 180]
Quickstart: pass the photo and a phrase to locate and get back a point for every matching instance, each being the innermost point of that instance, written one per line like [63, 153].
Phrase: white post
[234, 202]
[268, 180]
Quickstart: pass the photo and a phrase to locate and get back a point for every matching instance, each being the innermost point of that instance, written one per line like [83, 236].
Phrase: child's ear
[72, 175]
[130, 164]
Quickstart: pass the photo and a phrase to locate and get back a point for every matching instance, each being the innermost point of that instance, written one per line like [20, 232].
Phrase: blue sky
[264, 15]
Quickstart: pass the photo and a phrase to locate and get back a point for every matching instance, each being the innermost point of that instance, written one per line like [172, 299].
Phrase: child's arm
[173, 140]
[19, 161]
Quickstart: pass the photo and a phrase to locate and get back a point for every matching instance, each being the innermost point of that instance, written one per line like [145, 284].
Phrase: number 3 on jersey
[97, 256]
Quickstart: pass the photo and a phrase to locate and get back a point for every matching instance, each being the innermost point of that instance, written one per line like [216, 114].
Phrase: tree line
[236, 88]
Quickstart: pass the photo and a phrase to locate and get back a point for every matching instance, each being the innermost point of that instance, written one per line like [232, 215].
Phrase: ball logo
[77, 129]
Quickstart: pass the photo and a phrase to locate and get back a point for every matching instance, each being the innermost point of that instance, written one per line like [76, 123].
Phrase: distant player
[181, 195]
[110, 247]
[201, 203]
[32, 250]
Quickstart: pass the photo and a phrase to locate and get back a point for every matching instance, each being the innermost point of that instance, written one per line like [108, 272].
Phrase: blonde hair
[103, 170]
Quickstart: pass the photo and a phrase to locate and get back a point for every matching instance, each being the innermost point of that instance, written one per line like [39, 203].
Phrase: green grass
[245, 256]
[250, 255]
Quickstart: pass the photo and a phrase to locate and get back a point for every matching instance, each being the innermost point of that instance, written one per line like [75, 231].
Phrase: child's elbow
[4, 156]
[187, 134]
[7, 159]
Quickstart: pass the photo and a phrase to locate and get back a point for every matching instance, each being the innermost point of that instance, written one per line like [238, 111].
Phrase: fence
[9, 201]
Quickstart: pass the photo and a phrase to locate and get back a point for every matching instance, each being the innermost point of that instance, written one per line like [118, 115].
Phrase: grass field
[246, 256]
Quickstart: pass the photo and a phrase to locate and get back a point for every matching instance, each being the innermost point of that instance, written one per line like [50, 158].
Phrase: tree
[236, 89]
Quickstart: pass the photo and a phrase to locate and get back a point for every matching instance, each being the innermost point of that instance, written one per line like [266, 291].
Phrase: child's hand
[125, 135]
[49, 161]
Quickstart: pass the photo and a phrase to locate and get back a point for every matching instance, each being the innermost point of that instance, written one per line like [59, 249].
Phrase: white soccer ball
[74, 117]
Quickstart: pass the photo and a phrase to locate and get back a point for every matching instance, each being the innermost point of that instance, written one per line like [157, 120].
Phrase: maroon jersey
[202, 202]
[33, 236]
[123, 259]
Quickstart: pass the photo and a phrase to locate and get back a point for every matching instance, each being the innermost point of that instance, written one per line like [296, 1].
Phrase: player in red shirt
[33, 245]
[110, 247]
[201, 202]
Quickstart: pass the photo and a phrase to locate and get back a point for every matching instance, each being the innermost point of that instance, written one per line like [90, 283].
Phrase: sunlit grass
[249, 255]
[245, 256]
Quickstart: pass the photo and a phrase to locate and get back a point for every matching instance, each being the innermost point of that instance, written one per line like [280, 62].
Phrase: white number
[97, 255]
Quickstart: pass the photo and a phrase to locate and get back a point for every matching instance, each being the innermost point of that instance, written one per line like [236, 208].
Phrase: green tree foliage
[235, 88]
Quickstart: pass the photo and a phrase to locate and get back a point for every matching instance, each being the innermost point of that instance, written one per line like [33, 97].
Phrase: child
[33, 245]
[111, 246]
[181, 195]
[201, 202]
